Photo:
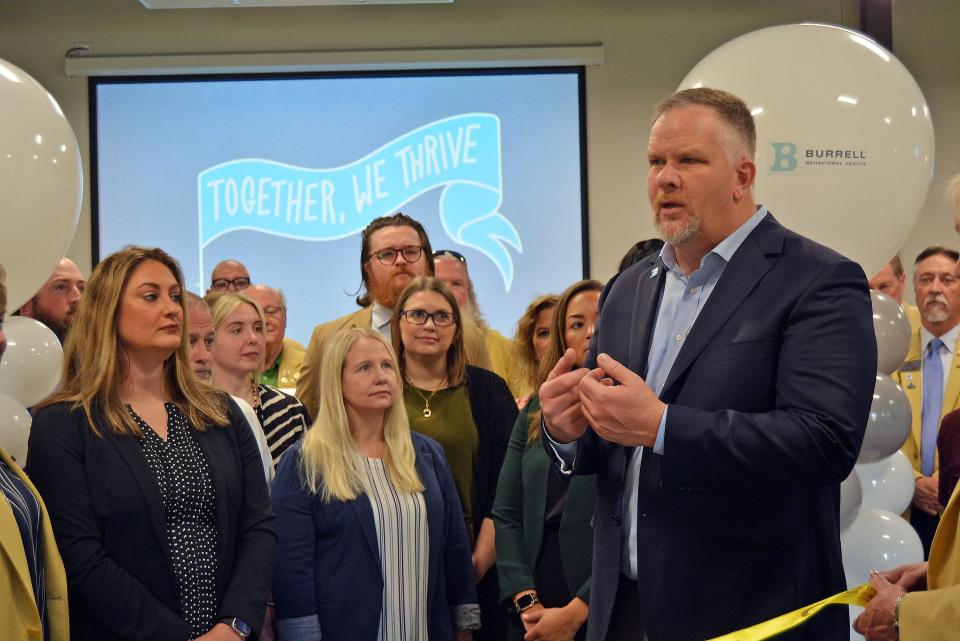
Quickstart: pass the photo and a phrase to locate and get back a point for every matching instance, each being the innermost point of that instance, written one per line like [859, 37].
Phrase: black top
[183, 475]
[26, 511]
[283, 418]
[108, 516]
[494, 412]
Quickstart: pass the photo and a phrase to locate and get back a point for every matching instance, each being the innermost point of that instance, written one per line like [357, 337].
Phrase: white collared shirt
[380, 320]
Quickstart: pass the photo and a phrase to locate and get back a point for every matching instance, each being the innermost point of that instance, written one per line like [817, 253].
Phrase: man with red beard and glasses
[931, 378]
[56, 301]
[393, 251]
[723, 400]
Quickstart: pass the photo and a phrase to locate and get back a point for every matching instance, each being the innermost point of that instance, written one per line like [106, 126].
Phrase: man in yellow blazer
[892, 281]
[19, 618]
[394, 250]
[921, 601]
[933, 355]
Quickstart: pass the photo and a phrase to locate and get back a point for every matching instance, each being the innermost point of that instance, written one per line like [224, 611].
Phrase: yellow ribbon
[859, 595]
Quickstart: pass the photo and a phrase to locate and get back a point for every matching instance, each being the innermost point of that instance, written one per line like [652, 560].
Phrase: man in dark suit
[731, 381]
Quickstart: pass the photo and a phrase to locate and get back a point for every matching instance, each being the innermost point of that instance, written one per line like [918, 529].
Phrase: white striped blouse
[404, 543]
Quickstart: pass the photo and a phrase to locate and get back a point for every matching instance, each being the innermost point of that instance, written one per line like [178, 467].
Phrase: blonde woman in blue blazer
[371, 538]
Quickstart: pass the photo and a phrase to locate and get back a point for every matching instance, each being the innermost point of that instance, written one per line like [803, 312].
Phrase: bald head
[229, 275]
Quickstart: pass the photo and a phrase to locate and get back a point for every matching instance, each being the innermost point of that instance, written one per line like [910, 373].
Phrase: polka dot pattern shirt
[186, 484]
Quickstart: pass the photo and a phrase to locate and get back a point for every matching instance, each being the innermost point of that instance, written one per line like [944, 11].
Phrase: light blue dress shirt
[684, 296]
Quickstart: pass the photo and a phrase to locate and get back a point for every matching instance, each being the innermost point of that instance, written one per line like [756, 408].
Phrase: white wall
[650, 46]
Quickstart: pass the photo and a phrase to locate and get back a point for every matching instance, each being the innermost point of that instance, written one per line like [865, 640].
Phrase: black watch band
[238, 625]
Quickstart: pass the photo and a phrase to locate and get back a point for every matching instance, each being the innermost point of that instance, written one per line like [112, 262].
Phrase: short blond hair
[330, 463]
[95, 366]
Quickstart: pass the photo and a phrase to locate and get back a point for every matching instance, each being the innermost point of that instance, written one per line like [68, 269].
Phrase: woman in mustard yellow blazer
[33, 586]
[923, 599]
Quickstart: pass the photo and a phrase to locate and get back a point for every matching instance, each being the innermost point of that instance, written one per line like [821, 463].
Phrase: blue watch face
[242, 627]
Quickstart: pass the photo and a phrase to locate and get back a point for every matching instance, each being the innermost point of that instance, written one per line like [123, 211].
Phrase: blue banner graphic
[461, 154]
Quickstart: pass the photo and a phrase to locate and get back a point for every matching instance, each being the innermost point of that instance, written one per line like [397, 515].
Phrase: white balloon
[887, 484]
[30, 368]
[41, 179]
[845, 143]
[888, 425]
[851, 497]
[15, 423]
[893, 332]
[879, 540]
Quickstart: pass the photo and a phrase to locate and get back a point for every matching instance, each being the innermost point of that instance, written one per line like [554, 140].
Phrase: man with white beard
[930, 376]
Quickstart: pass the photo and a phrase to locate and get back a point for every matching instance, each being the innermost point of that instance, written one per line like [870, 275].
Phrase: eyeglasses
[420, 316]
[222, 284]
[273, 310]
[411, 254]
[451, 254]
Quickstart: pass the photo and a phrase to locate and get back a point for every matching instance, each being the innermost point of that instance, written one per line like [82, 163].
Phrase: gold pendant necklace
[427, 412]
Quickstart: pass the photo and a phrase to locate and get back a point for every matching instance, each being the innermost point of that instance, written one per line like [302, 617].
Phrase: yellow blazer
[504, 362]
[18, 608]
[911, 380]
[291, 360]
[913, 315]
[934, 614]
[308, 387]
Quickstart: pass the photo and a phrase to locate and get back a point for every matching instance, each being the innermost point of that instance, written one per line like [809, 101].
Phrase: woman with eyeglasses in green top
[468, 410]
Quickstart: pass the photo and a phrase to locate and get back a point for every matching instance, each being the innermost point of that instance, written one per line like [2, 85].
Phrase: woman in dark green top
[543, 519]
[468, 410]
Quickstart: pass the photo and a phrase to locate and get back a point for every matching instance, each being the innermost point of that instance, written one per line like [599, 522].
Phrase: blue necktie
[932, 405]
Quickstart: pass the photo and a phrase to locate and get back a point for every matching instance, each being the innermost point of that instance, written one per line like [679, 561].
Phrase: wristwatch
[239, 626]
[526, 601]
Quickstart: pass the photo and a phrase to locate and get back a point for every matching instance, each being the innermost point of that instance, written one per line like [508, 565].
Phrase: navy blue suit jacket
[768, 401]
[328, 562]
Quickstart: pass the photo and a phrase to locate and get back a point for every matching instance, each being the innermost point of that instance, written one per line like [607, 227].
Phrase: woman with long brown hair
[544, 536]
[153, 480]
[468, 410]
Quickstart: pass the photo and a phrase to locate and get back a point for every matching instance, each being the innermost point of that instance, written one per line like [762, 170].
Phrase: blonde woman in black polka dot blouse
[153, 481]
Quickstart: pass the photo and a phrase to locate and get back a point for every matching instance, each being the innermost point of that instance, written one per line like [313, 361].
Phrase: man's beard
[674, 233]
[60, 327]
[387, 293]
[936, 314]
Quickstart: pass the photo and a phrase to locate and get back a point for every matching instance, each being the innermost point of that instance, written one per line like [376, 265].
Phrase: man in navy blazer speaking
[724, 399]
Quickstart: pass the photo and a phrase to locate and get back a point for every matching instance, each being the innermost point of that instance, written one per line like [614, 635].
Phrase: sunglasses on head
[451, 254]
